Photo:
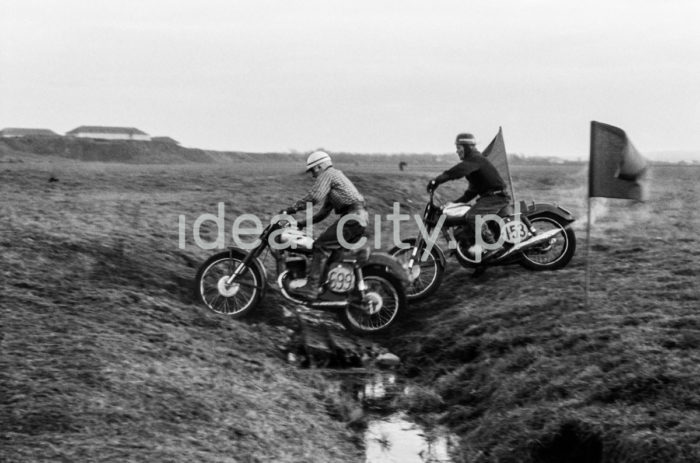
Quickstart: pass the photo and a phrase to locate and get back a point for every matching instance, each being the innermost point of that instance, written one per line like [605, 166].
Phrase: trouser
[331, 239]
[483, 206]
[352, 230]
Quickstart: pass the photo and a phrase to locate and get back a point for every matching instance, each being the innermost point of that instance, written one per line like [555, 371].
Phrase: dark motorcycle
[537, 236]
[367, 289]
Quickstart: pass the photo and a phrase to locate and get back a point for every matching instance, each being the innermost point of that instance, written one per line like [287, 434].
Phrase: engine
[296, 265]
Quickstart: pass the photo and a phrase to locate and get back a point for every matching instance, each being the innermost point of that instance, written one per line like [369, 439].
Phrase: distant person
[484, 182]
[337, 193]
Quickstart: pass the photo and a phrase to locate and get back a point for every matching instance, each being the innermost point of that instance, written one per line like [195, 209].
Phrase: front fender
[390, 264]
[539, 208]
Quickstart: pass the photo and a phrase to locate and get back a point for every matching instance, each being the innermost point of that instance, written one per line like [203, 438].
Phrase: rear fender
[389, 264]
[535, 209]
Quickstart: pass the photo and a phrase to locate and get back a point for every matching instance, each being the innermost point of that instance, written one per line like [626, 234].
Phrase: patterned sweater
[334, 189]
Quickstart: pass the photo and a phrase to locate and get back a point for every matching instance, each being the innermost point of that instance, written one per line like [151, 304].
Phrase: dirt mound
[100, 150]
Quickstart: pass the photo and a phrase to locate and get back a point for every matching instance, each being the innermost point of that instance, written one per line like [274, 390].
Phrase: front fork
[361, 285]
[369, 301]
[415, 254]
[254, 253]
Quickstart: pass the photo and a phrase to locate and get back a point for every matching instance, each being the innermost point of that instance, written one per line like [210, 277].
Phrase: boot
[311, 289]
[487, 235]
[488, 238]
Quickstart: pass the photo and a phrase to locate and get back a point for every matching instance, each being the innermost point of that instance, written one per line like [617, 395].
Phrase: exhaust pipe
[527, 244]
[313, 305]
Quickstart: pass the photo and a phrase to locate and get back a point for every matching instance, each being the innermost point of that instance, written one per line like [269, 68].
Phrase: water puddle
[391, 435]
[397, 439]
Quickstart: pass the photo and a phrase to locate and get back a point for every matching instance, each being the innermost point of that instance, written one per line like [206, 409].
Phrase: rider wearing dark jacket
[484, 182]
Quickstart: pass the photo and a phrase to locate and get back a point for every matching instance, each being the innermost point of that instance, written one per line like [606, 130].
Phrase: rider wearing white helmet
[336, 193]
[318, 158]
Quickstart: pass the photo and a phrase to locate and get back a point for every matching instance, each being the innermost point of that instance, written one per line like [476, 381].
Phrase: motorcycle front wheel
[236, 299]
[383, 304]
[426, 276]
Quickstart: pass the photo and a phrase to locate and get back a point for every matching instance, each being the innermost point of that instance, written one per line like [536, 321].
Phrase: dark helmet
[465, 139]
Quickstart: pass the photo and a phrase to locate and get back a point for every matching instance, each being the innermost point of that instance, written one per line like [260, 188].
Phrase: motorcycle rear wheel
[385, 304]
[555, 253]
[428, 276]
[235, 300]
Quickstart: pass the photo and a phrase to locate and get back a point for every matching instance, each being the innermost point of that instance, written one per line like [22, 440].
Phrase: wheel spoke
[428, 271]
[551, 251]
[242, 295]
[389, 300]
[226, 303]
[248, 285]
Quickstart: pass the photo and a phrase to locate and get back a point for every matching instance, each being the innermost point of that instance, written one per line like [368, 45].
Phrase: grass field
[106, 358]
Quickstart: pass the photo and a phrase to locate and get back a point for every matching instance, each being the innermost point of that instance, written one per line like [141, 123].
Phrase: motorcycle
[366, 289]
[537, 236]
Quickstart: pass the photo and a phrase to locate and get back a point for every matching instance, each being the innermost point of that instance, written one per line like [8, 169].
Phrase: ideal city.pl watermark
[247, 228]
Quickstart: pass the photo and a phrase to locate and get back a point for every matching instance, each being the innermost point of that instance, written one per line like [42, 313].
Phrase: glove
[431, 186]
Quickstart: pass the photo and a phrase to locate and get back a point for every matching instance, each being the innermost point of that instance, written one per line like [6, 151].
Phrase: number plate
[514, 231]
[341, 279]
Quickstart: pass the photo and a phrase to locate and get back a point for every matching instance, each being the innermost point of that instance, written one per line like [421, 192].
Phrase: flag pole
[588, 254]
[510, 179]
[587, 283]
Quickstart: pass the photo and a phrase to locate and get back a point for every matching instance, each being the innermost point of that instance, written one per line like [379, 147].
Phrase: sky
[365, 76]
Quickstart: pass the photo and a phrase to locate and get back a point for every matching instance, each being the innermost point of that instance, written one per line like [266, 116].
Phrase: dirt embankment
[104, 355]
[81, 149]
[528, 373]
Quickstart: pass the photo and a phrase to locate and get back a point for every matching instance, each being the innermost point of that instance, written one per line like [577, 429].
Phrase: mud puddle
[372, 396]
[390, 434]
[395, 438]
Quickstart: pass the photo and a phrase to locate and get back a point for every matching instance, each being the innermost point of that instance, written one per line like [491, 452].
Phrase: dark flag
[496, 153]
[615, 166]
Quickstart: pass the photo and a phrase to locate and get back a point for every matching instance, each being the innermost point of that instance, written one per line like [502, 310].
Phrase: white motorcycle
[367, 289]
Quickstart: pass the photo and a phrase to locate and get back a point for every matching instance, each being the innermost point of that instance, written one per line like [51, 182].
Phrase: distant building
[109, 133]
[11, 132]
[166, 140]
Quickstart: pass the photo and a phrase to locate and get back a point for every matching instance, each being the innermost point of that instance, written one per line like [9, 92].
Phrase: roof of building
[20, 132]
[101, 129]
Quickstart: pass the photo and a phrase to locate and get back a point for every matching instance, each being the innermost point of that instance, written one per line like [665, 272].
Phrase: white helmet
[317, 158]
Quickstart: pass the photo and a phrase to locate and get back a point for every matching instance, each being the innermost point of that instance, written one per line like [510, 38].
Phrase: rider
[337, 193]
[484, 182]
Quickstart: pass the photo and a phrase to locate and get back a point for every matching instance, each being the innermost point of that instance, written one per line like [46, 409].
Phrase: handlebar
[432, 195]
